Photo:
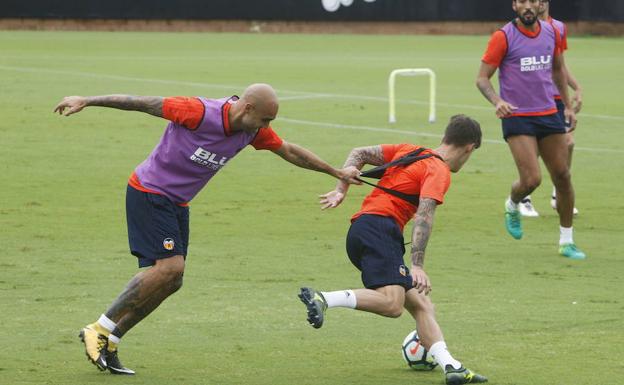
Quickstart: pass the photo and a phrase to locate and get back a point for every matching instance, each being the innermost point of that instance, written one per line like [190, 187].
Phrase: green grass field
[512, 310]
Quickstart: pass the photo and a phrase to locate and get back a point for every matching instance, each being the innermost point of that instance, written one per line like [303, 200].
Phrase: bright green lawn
[512, 310]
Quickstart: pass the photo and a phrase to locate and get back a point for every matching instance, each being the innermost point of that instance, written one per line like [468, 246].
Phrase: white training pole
[412, 72]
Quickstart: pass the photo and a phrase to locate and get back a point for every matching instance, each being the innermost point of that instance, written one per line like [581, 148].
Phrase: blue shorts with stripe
[537, 126]
[157, 227]
[560, 110]
[375, 246]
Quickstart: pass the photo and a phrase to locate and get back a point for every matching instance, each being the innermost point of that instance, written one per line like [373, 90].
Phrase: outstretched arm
[423, 224]
[357, 158]
[304, 158]
[152, 105]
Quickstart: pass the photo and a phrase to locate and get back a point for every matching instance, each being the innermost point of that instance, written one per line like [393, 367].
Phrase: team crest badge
[403, 270]
[168, 244]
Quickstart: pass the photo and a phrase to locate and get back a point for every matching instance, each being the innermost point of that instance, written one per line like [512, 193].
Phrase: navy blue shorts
[537, 126]
[375, 247]
[560, 109]
[157, 227]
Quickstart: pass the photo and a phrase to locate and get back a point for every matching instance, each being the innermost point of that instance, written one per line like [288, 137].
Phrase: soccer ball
[416, 356]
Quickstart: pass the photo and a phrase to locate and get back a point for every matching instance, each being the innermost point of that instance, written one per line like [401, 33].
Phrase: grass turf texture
[512, 310]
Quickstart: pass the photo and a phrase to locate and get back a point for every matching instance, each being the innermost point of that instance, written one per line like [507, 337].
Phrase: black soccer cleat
[462, 376]
[316, 305]
[115, 366]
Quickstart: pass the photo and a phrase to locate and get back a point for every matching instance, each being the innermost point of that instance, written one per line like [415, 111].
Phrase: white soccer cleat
[553, 204]
[526, 208]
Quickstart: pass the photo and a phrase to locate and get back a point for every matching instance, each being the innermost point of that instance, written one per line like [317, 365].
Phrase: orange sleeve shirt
[183, 110]
[496, 49]
[189, 112]
[267, 139]
[429, 178]
[497, 46]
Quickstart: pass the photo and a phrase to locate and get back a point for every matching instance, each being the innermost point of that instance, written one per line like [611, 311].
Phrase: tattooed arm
[423, 223]
[305, 158]
[357, 158]
[149, 104]
[360, 156]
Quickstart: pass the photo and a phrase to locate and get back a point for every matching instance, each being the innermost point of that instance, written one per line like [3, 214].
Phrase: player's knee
[172, 270]
[424, 305]
[570, 143]
[561, 177]
[176, 284]
[393, 310]
[532, 182]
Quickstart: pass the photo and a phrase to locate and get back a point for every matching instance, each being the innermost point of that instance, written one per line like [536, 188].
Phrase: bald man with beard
[201, 137]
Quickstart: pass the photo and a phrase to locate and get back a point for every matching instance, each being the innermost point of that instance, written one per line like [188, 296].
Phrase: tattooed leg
[131, 318]
[146, 291]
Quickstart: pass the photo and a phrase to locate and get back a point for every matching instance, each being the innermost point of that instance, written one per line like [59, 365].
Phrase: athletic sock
[113, 341]
[565, 235]
[554, 193]
[104, 325]
[510, 205]
[340, 298]
[442, 356]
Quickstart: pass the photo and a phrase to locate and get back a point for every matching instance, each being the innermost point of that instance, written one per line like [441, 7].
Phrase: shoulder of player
[432, 165]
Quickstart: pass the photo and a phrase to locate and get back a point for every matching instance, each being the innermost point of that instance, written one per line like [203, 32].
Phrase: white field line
[301, 94]
[303, 97]
[413, 133]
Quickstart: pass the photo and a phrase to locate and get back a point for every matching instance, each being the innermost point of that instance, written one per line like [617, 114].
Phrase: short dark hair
[462, 130]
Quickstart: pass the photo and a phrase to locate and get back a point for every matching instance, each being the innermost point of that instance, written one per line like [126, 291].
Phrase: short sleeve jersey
[428, 178]
[524, 59]
[196, 144]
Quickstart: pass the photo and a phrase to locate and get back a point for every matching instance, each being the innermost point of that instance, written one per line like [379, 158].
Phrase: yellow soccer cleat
[95, 345]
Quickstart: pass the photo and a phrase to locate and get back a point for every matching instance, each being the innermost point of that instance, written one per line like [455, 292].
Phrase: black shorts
[537, 126]
[157, 227]
[375, 247]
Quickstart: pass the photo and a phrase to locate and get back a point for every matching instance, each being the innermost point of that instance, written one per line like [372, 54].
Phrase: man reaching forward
[200, 139]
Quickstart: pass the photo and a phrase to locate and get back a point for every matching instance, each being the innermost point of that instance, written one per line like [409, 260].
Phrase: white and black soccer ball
[416, 356]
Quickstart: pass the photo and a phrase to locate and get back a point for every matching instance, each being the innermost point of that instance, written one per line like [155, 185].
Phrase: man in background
[526, 205]
[527, 53]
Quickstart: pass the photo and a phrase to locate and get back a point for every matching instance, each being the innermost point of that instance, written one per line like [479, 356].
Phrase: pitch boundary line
[301, 94]
[412, 133]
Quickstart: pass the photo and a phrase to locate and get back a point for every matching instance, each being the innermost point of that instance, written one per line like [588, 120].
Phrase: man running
[526, 205]
[528, 53]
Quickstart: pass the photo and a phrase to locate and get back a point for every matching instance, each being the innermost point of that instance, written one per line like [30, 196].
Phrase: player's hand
[504, 109]
[349, 175]
[420, 280]
[577, 101]
[570, 119]
[331, 200]
[73, 104]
